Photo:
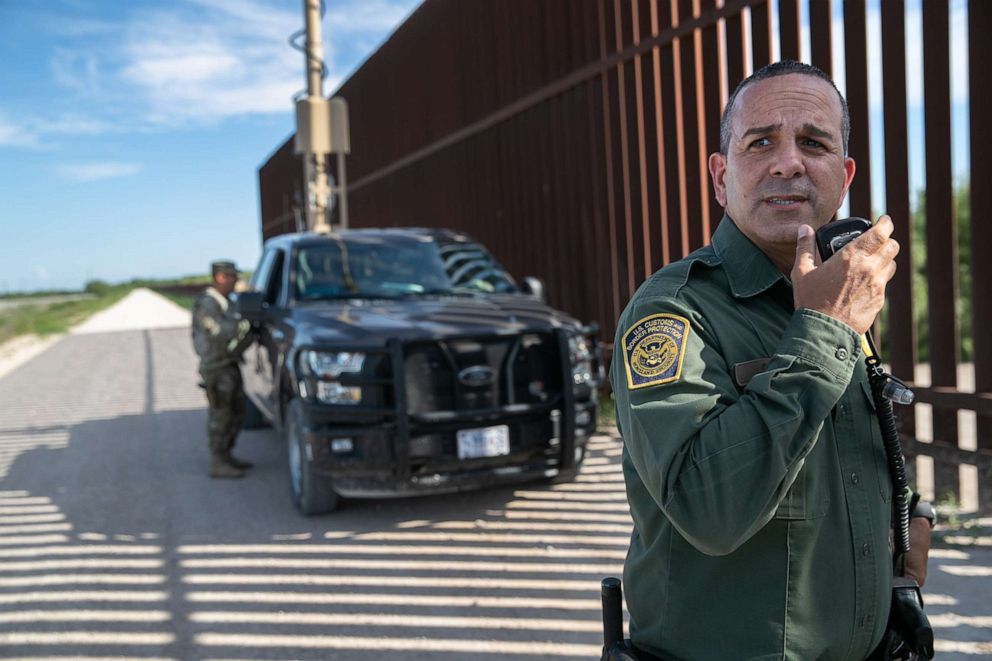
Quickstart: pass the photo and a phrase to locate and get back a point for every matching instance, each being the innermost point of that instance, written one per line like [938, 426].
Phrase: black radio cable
[885, 389]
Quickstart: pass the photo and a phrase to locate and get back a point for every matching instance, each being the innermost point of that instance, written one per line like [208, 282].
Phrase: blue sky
[131, 132]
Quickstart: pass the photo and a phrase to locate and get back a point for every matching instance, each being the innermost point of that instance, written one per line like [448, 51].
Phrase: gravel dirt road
[114, 543]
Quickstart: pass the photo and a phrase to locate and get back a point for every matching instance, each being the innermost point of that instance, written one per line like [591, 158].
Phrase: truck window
[268, 276]
[260, 278]
[357, 267]
[275, 280]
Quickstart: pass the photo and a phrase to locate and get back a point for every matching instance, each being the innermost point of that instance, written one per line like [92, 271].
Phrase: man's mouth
[785, 200]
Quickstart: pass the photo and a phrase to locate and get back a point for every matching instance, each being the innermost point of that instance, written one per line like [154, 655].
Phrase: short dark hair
[783, 68]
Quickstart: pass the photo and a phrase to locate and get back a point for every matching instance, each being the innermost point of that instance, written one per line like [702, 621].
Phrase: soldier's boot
[219, 468]
[237, 463]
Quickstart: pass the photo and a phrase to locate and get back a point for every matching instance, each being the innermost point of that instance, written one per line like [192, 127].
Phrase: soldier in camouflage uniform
[219, 338]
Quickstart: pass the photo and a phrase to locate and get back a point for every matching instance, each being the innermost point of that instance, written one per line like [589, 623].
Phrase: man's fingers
[890, 271]
[805, 250]
[872, 240]
[892, 248]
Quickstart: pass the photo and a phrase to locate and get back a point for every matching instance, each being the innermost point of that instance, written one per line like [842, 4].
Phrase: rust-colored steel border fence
[571, 137]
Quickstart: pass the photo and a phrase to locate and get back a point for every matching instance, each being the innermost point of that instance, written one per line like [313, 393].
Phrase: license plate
[485, 442]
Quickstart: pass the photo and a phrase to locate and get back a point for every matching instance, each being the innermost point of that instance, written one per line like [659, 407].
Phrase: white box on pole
[340, 130]
[313, 124]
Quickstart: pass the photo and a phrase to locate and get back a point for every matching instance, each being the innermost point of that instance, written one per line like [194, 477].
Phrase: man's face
[224, 282]
[785, 163]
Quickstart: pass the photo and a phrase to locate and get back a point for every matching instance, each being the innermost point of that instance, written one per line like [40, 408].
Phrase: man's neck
[782, 257]
[782, 262]
[218, 296]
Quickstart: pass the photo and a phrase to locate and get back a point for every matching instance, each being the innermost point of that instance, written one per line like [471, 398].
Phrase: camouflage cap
[223, 266]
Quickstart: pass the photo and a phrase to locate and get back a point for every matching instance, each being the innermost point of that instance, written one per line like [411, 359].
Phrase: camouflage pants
[226, 397]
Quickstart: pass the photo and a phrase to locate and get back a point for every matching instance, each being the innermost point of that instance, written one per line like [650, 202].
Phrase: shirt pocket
[878, 458]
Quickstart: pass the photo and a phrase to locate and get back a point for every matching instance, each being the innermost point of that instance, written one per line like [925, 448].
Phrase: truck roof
[378, 235]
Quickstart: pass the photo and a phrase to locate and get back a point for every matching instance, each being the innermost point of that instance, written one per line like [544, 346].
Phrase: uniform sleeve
[716, 460]
[218, 325]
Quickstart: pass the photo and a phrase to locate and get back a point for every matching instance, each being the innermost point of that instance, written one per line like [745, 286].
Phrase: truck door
[261, 358]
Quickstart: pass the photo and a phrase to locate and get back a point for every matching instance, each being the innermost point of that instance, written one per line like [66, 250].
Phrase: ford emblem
[476, 376]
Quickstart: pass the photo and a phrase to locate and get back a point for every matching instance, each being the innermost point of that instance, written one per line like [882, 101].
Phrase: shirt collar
[748, 269]
[220, 298]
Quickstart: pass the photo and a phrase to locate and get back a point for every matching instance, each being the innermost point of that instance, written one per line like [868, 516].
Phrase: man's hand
[850, 287]
[915, 562]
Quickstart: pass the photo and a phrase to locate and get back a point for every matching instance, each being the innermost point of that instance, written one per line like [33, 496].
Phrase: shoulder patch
[653, 350]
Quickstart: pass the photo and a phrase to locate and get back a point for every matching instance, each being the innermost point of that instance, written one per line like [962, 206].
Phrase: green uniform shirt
[219, 338]
[754, 466]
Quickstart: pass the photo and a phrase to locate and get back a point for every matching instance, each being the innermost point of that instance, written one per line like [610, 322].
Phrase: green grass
[607, 411]
[182, 300]
[182, 292]
[56, 317]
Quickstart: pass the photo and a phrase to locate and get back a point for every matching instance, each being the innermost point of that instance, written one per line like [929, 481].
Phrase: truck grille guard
[393, 389]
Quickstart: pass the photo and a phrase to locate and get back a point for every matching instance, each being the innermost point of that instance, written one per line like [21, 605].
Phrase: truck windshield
[369, 267]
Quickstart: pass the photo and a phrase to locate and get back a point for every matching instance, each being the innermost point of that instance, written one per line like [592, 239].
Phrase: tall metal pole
[317, 189]
[342, 189]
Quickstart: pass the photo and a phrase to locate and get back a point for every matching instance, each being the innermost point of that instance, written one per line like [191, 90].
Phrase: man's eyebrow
[760, 130]
[817, 132]
[810, 129]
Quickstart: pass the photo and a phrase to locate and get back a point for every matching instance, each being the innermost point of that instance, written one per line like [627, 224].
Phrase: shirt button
[854, 478]
[841, 353]
[866, 549]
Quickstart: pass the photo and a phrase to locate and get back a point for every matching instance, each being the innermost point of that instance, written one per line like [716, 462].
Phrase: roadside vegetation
[607, 410]
[57, 317]
[182, 291]
[40, 317]
[18, 295]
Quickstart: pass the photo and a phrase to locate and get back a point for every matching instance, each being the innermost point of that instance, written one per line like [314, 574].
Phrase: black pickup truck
[401, 361]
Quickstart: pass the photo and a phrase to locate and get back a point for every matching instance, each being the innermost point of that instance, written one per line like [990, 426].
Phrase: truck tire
[254, 419]
[312, 493]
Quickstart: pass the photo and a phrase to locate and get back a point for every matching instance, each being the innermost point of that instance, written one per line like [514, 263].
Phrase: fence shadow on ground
[118, 544]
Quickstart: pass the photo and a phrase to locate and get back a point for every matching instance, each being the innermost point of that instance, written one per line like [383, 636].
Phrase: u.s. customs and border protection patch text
[653, 349]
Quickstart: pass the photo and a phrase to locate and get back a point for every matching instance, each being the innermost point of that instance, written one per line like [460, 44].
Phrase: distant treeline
[36, 294]
[101, 286]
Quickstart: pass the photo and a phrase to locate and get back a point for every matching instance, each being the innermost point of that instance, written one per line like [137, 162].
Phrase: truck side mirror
[250, 305]
[534, 287]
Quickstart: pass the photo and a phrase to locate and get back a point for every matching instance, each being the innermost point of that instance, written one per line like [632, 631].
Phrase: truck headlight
[581, 353]
[323, 368]
[331, 364]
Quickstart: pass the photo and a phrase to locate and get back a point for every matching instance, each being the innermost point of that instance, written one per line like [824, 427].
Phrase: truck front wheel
[312, 493]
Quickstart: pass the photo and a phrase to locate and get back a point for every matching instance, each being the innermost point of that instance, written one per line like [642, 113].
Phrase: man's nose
[788, 162]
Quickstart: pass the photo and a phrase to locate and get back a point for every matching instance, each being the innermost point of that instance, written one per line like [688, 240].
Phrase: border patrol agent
[754, 466]
[219, 339]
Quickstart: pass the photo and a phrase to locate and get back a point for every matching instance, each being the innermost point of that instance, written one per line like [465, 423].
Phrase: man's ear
[718, 167]
[849, 169]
